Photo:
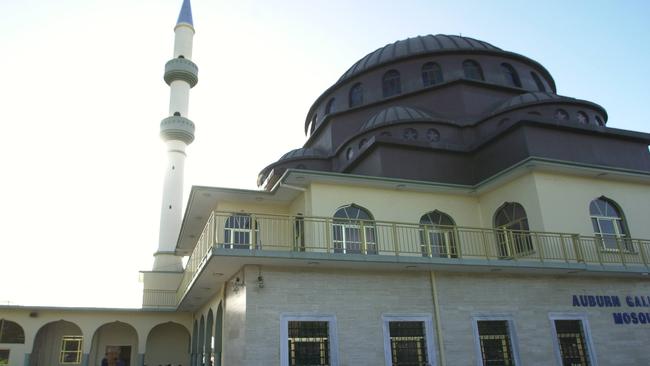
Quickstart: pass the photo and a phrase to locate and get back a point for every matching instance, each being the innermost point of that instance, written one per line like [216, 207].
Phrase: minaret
[181, 74]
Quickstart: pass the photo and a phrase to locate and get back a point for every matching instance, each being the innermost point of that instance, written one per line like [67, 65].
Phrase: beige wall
[565, 202]
[522, 190]
[235, 324]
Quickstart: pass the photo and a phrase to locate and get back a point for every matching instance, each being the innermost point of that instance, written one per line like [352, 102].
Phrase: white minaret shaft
[181, 74]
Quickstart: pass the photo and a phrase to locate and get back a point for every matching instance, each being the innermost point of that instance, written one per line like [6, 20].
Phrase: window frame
[474, 64]
[79, 352]
[8, 351]
[512, 333]
[285, 318]
[428, 332]
[622, 232]
[365, 228]
[584, 322]
[391, 83]
[356, 90]
[253, 232]
[512, 242]
[511, 75]
[431, 233]
[431, 69]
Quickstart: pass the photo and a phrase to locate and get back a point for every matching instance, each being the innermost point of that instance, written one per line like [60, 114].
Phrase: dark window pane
[408, 343]
[431, 74]
[538, 82]
[510, 74]
[308, 343]
[573, 349]
[11, 332]
[356, 95]
[472, 70]
[391, 84]
[494, 337]
[4, 357]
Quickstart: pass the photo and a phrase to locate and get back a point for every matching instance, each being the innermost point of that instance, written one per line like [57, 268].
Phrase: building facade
[447, 208]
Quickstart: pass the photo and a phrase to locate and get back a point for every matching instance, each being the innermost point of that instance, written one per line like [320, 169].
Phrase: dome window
[472, 70]
[391, 84]
[349, 154]
[561, 115]
[356, 95]
[599, 121]
[583, 118]
[329, 108]
[431, 74]
[433, 135]
[510, 74]
[538, 82]
[410, 134]
[362, 143]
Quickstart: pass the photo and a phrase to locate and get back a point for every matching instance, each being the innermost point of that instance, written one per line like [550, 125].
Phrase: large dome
[416, 46]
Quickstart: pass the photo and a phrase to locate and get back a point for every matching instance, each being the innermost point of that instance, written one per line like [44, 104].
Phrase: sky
[82, 98]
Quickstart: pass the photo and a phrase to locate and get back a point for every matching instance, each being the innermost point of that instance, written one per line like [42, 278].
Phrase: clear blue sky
[83, 95]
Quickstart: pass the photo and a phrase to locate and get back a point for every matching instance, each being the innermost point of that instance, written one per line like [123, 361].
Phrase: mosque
[447, 208]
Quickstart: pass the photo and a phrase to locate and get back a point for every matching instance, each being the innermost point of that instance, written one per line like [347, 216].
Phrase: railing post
[620, 251]
[598, 253]
[456, 240]
[364, 245]
[427, 242]
[253, 225]
[328, 233]
[395, 242]
[642, 251]
[485, 250]
[510, 244]
[539, 247]
[575, 239]
[564, 253]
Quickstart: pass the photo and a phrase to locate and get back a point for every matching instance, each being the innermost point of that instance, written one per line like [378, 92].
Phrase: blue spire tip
[186, 14]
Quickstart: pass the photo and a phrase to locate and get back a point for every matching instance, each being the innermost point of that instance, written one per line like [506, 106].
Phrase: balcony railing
[158, 298]
[336, 236]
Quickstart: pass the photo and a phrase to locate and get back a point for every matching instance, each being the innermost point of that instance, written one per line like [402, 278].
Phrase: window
[572, 342]
[431, 74]
[494, 341]
[410, 134]
[510, 74]
[4, 357]
[472, 70]
[609, 224]
[356, 95]
[437, 235]
[11, 332]
[511, 223]
[238, 233]
[561, 115]
[433, 135]
[538, 82]
[329, 108]
[71, 349]
[599, 121]
[408, 340]
[391, 84]
[583, 118]
[354, 231]
[308, 341]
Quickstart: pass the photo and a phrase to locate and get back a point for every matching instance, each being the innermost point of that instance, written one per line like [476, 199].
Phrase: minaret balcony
[177, 128]
[181, 69]
[231, 240]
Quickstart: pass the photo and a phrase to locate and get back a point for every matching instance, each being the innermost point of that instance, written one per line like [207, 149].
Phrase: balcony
[290, 239]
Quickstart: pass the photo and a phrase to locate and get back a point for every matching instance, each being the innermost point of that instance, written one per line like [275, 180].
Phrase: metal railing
[159, 298]
[239, 231]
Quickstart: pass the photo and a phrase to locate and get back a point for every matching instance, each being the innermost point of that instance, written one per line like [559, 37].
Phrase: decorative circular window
[433, 135]
[561, 115]
[362, 143]
[583, 118]
[349, 153]
[410, 134]
[599, 121]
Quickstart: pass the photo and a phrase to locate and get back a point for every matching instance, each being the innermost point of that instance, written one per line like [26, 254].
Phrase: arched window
[538, 82]
[510, 74]
[431, 74]
[354, 231]
[11, 332]
[356, 95]
[511, 223]
[239, 233]
[437, 235]
[609, 223]
[329, 108]
[391, 84]
[472, 70]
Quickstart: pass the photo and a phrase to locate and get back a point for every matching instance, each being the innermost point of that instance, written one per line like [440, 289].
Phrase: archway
[57, 343]
[168, 343]
[209, 339]
[218, 336]
[118, 339]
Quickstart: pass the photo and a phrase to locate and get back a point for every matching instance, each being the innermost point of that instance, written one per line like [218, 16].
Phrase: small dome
[540, 98]
[414, 46]
[396, 114]
[301, 153]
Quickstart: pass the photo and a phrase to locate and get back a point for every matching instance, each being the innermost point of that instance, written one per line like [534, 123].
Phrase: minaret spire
[181, 74]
